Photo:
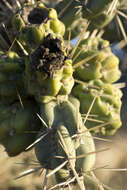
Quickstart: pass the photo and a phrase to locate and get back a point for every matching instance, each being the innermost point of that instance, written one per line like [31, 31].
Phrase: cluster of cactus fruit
[54, 97]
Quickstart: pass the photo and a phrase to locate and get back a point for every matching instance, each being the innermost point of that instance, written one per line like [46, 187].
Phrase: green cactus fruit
[47, 18]
[49, 71]
[101, 66]
[30, 37]
[18, 143]
[58, 27]
[106, 107]
[52, 14]
[99, 13]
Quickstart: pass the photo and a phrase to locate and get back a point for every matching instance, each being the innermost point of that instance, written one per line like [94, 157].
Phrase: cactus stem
[35, 142]
[64, 9]
[57, 168]
[71, 163]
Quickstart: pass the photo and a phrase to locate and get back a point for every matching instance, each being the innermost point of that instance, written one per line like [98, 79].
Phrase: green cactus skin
[18, 143]
[49, 147]
[75, 102]
[104, 66]
[44, 150]
[64, 173]
[11, 62]
[63, 131]
[106, 106]
[16, 120]
[70, 17]
[11, 77]
[63, 117]
[30, 37]
[97, 13]
[54, 113]
[87, 146]
[17, 23]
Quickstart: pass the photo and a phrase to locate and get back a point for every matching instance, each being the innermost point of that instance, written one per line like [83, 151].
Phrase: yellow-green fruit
[48, 73]
[106, 99]
[30, 37]
[57, 26]
[52, 14]
[102, 65]
[12, 55]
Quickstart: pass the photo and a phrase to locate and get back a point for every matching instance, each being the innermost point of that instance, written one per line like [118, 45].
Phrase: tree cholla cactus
[54, 95]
